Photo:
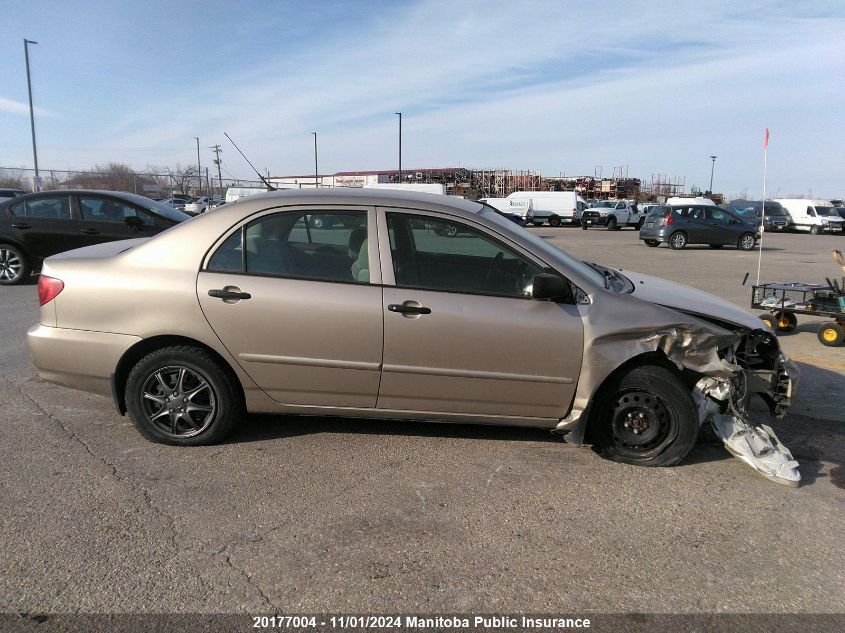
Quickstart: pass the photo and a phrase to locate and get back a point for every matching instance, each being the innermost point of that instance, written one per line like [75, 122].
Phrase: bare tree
[184, 178]
[11, 178]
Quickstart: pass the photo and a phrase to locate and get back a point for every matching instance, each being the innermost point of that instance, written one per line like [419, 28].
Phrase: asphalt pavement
[329, 515]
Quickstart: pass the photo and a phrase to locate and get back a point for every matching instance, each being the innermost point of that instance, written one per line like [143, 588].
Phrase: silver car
[384, 304]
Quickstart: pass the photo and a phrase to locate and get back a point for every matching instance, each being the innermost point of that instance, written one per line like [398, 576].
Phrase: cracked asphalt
[329, 515]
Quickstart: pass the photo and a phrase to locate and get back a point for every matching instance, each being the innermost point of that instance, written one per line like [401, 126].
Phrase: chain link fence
[147, 184]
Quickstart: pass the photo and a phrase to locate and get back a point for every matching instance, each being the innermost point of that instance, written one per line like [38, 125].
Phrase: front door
[461, 333]
[291, 296]
[107, 219]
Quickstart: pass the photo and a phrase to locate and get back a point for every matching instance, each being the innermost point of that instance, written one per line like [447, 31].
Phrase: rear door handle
[88, 231]
[406, 309]
[21, 225]
[229, 294]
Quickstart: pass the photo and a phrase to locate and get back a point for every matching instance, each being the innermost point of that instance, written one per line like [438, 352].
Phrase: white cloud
[536, 85]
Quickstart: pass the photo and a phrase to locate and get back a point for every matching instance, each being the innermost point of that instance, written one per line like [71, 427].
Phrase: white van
[520, 208]
[554, 207]
[815, 216]
[681, 201]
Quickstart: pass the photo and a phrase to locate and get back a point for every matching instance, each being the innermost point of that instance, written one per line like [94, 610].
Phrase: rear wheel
[678, 240]
[554, 221]
[14, 266]
[831, 334]
[645, 417]
[769, 320]
[182, 396]
[746, 241]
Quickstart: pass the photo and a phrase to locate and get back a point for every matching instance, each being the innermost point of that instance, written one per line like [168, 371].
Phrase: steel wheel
[12, 265]
[641, 423]
[178, 401]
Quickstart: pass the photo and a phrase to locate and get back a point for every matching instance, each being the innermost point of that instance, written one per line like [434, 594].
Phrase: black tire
[815, 230]
[15, 266]
[652, 243]
[583, 225]
[645, 417]
[611, 223]
[770, 320]
[831, 334]
[746, 242]
[786, 322]
[554, 221]
[716, 245]
[678, 240]
[222, 396]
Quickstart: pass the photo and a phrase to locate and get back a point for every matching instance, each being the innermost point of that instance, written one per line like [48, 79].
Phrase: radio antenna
[263, 179]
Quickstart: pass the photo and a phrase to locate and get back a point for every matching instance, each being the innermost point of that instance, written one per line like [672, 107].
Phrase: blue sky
[549, 86]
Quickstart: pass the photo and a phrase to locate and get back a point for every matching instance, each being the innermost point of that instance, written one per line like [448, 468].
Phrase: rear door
[461, 333]
[45, 224]
[295, 297]
[107, 219]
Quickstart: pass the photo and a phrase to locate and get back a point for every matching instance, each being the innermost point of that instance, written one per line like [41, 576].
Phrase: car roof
[364, 196]
[65, 192]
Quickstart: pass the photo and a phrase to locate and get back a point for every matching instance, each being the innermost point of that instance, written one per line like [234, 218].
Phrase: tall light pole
[400, 145]
[316, 171]
[26, 44]
[712, 167]
[199, 169]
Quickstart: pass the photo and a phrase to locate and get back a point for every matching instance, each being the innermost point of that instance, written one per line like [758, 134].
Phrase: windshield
[749, 208]
[604, 204]
[160, 208]
[828, 211]
[542, 246]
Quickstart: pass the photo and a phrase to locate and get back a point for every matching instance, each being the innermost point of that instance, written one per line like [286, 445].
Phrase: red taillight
[48, 288]
[668, 219]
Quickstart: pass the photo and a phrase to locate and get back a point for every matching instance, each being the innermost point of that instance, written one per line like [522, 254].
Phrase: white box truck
[813, 215]
[421, 187]
[554, 207]
[519, 208]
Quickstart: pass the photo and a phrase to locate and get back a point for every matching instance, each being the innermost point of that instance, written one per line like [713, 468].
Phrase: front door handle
[229, 294]
[89, 231]
[404, 308]
[21, 225]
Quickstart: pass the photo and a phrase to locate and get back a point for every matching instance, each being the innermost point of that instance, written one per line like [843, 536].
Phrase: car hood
[689, 300]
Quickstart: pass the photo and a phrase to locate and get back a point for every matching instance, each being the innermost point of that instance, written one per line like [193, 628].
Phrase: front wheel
[182, 396]
[14, 266]
[611, 223]
[645, 417]
[815, 230]
[746, 241]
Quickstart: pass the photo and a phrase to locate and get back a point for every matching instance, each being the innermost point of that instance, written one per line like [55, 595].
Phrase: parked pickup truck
[612, 214]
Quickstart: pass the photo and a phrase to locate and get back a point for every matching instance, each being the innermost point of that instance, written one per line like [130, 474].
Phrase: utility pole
[400, 145]
[316, 171]
[26, 44]
[199, 169]
[216, 149]
[712, 167]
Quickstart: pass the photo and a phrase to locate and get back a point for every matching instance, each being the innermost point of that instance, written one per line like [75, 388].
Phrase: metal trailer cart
[784, 300]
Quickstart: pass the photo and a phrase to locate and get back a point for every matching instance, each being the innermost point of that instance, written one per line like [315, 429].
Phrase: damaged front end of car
[756, 365]
[723, 364]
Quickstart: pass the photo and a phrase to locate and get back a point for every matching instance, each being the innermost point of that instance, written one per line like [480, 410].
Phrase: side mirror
[550, 287]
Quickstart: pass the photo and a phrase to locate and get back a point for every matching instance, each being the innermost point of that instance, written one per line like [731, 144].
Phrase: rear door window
[51, 208]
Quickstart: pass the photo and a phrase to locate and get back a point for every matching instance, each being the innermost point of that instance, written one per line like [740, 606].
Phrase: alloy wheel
[178, 401]
[11, 265]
